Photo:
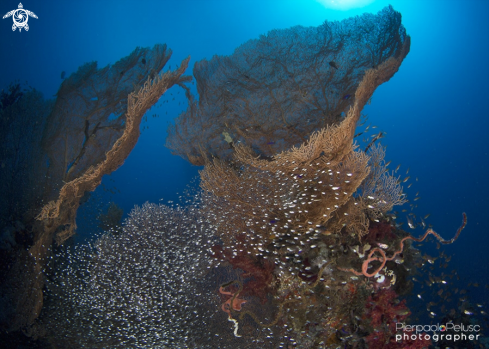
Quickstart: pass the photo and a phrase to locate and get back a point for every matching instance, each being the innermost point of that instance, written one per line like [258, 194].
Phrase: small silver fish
[410, 223]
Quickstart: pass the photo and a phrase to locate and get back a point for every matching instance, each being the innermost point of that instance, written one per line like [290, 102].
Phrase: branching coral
[380, 191]
[297, 190]
[267, 199]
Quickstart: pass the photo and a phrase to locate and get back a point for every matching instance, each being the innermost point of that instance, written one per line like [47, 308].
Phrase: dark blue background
[435, 110]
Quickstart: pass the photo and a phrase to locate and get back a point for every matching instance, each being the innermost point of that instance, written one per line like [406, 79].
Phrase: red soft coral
[258, 274]
[379, 232]
[384, 311]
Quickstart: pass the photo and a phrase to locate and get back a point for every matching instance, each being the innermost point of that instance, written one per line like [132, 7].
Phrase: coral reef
[289, 242]
[315, 211]
[288, 209]
[149, 287]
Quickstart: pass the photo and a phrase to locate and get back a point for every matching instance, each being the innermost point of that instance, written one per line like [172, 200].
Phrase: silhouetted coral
[10, 96]
[23, 165]
[81, 143]
[273, 92]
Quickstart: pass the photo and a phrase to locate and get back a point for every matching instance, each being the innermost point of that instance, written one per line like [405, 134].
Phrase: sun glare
[344, 5]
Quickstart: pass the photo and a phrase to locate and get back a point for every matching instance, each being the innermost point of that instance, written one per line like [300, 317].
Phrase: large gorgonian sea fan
[273, 92]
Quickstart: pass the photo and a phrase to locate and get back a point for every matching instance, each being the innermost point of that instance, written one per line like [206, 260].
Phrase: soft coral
[258, 274]
[384, 311]
[379, 232]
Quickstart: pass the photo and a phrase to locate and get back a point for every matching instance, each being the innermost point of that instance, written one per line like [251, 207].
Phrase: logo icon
[20, 17]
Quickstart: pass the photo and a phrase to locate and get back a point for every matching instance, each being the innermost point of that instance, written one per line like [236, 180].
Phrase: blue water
[435, 110]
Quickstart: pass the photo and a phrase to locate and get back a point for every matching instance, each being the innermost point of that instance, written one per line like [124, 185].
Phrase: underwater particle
[63, 74]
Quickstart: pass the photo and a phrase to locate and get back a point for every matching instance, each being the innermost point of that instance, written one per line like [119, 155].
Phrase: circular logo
[443, 328]
[20, 17]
